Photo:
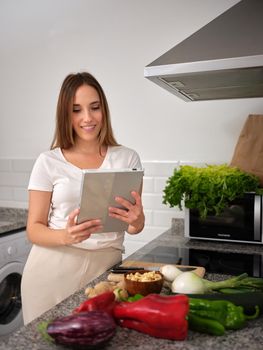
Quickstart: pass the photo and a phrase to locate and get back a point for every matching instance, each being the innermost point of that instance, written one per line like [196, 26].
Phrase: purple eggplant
[85, 329]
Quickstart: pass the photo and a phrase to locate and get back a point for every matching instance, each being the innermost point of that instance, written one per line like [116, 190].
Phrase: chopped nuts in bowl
[143, 282]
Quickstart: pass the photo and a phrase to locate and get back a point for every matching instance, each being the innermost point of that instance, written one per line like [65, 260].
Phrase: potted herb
[208, 189]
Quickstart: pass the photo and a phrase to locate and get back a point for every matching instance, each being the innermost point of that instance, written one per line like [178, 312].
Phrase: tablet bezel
[96, 184]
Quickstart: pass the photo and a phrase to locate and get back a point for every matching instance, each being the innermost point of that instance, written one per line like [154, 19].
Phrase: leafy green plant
[208, 189]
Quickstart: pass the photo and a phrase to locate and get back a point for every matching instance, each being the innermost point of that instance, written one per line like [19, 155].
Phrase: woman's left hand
[132, 214]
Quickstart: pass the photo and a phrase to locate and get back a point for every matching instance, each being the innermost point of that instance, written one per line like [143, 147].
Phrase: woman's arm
[37, 224]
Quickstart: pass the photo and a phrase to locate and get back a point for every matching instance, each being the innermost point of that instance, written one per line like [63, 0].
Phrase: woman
[65, 256]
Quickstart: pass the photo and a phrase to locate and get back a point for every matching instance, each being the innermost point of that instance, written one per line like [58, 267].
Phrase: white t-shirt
[53, 173]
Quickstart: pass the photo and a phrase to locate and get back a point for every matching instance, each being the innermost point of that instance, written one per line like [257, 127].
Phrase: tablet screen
[98, 191]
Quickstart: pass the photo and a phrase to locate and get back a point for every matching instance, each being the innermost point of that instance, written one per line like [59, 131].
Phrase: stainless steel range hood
[222, 60]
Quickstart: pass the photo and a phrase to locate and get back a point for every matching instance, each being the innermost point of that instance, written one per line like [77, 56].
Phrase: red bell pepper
[157, 315]
[103, 302]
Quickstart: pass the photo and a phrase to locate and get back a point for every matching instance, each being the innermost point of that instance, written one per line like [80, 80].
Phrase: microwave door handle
[257, 218]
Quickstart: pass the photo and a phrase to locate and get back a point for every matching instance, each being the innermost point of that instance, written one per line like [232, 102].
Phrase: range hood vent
[222, 60]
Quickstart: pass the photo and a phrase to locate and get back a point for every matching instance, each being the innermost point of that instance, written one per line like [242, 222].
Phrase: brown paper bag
[248, 153]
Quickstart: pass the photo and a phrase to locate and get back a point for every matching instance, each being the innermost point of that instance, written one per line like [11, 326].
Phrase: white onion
[188, 283]
[170, 272]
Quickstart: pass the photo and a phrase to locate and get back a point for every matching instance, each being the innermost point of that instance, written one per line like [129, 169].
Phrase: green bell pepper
[227, 314]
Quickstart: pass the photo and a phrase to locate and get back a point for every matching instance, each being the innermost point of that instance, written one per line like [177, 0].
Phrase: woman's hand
[76, 233]
[132, 214]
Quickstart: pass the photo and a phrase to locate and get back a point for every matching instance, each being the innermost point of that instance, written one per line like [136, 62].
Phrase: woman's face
[87, 115]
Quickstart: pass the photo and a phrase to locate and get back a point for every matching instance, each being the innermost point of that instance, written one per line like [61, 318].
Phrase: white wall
[42, 41]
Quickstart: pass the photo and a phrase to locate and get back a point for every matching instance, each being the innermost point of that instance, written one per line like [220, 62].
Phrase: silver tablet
[98, 191]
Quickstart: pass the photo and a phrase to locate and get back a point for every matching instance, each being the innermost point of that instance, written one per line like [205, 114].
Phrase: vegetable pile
[190, 283]
[237, 300]
[208, 189]
[94, 321]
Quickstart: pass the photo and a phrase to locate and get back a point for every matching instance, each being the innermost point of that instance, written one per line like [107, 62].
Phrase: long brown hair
[64, 134]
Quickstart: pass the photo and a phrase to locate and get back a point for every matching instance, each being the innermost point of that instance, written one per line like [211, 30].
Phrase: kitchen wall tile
[134, 242]
[14, 179]
[20, 194]
[23, 165]
[6, 193]
[197, 164]
[154, 201]
[131, 247]
[5, 165]
[148, 217]
[159, 168]
[159, 184]
[148, 234]
[148, 184]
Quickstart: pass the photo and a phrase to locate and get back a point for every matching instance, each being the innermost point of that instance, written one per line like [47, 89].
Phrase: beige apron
[248, 153]
[52, 274]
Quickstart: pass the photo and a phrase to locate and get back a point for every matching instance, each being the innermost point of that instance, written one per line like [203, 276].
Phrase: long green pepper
[204, 325]
[214, 316]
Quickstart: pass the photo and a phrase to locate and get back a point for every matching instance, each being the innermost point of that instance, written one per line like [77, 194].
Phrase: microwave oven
[240, 221]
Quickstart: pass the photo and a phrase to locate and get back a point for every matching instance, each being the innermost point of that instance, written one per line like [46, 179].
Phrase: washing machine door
[10, 298]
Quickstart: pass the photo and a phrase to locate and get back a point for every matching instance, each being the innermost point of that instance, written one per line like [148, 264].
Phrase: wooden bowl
[143, 287]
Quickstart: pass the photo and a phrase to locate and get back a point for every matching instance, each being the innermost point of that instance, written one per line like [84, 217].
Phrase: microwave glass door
[240, 221]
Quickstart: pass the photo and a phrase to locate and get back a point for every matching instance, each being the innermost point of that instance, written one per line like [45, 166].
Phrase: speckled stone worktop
[12, 219]
[250, 337]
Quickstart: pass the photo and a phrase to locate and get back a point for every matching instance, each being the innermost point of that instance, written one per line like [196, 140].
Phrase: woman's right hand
[76, 233]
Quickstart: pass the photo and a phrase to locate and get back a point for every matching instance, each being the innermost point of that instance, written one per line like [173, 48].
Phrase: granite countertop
[12, 219]
[250, 337]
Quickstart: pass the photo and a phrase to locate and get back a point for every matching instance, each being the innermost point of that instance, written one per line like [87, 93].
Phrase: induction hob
[213, 261]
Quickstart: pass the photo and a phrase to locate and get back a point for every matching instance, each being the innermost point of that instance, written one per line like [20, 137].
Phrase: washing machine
[14, 249]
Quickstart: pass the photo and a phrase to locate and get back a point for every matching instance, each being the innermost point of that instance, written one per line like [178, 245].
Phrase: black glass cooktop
[212, 261]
